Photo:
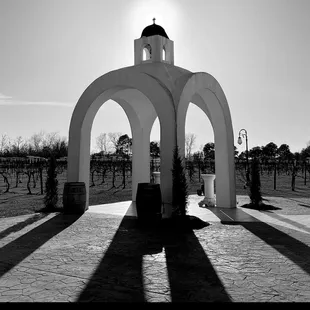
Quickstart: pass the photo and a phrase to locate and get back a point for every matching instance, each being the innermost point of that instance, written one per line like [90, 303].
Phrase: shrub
[255, 185]
[51, 185]
[179, 185]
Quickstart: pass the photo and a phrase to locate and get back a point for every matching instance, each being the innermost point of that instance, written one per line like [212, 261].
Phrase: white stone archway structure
[155, 88]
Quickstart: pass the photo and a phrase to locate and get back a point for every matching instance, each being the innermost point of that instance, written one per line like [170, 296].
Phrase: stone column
[209, 200]
[140, 159]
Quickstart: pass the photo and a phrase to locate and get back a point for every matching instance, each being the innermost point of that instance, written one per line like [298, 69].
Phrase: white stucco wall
[203, 90]
[145, 92]
[153, 100]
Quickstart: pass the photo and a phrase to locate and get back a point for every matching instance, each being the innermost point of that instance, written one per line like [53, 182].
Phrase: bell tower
[154, 46]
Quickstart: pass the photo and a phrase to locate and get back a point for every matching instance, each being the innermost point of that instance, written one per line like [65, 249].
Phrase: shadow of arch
[120, 276]
[192, 277]
[16, 251]
[286, 220]
[303, 205]
[295, 250]
[21, 225]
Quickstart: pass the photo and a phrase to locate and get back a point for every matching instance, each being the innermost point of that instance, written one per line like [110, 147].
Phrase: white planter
[209, 200]
[156, 175]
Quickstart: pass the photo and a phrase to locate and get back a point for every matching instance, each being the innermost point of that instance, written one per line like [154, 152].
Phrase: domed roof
[153, 30]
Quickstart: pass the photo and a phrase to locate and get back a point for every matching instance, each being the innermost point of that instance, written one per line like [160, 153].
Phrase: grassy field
[18, 201]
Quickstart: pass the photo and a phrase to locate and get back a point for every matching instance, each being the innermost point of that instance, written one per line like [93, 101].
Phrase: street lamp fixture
[243, 133]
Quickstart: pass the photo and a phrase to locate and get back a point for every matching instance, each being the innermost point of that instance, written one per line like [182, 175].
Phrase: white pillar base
[156, 175]
[209, 199]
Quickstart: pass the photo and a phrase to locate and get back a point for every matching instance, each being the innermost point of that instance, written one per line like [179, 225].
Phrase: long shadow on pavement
[304, 205]
[289, 221]
[295, 250]
[19, 249]
[21, 225]
[120, 276]
[191, 275]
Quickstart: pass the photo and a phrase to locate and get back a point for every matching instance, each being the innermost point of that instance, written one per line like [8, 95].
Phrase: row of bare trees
[39, 144]
[42, 144]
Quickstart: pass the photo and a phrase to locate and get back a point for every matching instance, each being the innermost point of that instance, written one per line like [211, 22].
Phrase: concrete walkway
[242, 255]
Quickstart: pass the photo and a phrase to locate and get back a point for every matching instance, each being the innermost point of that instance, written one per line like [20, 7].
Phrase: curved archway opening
[199, 146]
[204, 91]
[141, 103]
[141, 114]
[147, 52]
[155, 151]
[110, 178]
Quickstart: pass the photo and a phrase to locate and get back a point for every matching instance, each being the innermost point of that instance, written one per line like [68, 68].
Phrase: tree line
[39, 144]
[44, 144]
[116, 143]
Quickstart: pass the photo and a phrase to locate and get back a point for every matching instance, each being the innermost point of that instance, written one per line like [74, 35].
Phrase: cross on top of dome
[153, 30]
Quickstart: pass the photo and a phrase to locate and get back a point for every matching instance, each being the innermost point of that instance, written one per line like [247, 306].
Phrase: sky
[258, 50]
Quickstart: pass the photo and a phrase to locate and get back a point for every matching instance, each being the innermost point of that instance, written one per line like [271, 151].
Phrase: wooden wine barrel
[74, 197]
[148, 202]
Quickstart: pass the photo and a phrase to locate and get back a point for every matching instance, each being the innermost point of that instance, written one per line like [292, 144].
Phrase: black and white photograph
[155, 151]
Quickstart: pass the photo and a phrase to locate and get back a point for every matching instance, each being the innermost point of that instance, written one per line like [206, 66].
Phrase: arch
[164, 53]
[195, 108]
[146, 52]
[203, 90]
[129, 88]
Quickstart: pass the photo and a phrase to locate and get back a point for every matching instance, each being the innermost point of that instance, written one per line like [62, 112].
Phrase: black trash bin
[148, 203]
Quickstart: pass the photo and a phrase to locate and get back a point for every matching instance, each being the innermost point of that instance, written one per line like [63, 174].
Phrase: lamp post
[245, 134]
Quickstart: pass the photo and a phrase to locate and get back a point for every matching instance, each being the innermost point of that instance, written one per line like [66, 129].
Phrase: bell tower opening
[154, 45]
[147, 52]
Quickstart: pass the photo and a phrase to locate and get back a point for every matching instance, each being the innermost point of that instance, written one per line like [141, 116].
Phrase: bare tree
[17, 144]
[103, 143]
[51, 139]
[190, 139]
[4, 143]
[18, 141]
[37, 140]
[114, 137]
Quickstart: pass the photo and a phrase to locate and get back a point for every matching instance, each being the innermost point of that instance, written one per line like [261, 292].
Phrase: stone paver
[101, 256]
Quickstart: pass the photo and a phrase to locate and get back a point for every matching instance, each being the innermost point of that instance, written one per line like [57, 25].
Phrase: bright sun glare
[166, 13]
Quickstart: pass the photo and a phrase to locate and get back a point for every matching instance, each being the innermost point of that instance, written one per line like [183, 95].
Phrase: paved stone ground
[264, 257]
